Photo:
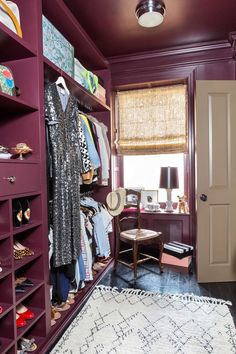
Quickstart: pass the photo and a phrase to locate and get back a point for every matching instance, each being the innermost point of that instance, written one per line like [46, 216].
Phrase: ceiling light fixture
[150, 13]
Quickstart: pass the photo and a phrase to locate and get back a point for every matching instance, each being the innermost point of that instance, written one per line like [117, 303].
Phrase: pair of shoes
[22, 283]
[28, 345]
[20, 322]
[20, 251]
[62, 307]
[21, 211]
[98, 266]
[22, 315]
[55, 315]
[104, 260]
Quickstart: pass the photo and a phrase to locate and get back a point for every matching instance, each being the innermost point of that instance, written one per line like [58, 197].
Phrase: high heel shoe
[20, 322]
[24, 312]
[17, 213]
[25, 251]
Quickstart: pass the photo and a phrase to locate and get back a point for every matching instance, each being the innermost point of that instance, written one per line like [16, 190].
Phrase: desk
[174, 226]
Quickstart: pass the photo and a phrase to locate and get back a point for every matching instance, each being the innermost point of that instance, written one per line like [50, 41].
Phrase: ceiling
[112, 24]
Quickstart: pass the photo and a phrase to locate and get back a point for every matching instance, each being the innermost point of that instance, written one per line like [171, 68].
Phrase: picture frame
[131, 199]
[149, 196]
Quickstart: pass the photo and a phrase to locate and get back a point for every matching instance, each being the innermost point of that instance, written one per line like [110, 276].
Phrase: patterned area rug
[139, 322]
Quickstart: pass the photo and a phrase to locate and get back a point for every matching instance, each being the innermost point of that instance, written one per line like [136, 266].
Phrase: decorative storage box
[57, 49]
[85, 77]
[80, 73]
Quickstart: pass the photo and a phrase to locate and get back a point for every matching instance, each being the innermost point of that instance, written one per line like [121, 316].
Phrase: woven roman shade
[152, 120]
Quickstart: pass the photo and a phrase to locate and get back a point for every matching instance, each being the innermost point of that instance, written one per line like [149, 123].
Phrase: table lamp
[169, 180]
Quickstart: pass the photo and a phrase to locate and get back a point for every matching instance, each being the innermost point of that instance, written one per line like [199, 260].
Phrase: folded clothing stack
[177, 249]
[4, 152]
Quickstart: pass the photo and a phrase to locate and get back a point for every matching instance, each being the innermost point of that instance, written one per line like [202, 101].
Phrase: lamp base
[169, 204]
[169, 207]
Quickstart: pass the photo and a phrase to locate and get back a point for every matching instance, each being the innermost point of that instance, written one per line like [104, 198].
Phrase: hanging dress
[61, 114]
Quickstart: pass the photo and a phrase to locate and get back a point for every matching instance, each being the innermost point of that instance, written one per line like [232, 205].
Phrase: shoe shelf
[30, 290]
[4, 220]
[31, 225]
[6, 302]
[33, 303]
[6, 271]
[20, 263]
[6, 345]
[38, 314]
[88, 102]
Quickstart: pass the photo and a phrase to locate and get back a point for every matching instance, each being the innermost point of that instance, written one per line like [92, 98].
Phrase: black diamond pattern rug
[138, 322]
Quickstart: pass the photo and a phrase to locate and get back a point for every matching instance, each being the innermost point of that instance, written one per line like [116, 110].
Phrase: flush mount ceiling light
[150, 13]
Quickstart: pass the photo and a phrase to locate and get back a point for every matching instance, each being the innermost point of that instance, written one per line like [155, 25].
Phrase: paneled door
[216, 180]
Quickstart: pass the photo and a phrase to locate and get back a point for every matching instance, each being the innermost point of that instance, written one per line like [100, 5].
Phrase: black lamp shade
[169, 178]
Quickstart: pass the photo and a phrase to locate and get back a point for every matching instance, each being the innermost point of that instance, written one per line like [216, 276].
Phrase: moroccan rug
[138, 322]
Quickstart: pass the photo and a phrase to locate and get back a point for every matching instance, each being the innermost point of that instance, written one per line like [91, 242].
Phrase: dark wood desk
[174, 226]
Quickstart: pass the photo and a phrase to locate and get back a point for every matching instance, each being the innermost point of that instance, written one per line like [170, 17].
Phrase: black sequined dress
[61, 114]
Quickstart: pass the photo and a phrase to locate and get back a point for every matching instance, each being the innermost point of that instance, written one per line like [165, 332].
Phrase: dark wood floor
[170, 281]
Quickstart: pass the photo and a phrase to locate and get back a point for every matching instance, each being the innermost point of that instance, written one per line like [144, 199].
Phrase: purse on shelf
[10, 16]
[7, 83]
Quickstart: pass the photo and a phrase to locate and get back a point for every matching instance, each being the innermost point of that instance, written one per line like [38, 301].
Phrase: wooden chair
[129, 231]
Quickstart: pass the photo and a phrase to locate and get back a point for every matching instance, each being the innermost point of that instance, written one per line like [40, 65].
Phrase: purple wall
[211, 62]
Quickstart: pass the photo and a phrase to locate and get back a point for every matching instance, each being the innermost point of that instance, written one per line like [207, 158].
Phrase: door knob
[203, 197]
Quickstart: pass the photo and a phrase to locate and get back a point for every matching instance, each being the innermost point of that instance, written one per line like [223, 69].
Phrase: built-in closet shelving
[22, 120]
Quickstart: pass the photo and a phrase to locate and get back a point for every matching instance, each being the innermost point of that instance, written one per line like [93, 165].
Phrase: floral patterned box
[57, 49]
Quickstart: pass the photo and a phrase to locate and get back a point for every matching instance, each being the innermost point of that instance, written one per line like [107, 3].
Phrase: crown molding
[180, 50]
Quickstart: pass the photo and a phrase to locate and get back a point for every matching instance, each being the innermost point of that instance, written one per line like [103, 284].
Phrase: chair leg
[160, 247]
[135, 259]
[117, 252]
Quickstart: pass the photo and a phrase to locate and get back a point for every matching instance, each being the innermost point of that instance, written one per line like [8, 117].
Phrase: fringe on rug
[184, 297]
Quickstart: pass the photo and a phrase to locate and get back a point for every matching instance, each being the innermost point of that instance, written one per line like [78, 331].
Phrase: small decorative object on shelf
[183, 204]
[21, 149]
[4, 152]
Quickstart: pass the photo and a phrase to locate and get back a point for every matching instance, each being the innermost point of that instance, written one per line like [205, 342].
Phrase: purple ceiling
[112, 24]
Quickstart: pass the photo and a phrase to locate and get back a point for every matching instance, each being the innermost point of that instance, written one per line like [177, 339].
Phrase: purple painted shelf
[89, 102]
[85, 50]
[31, 225]
[11, 104]
[14, 46]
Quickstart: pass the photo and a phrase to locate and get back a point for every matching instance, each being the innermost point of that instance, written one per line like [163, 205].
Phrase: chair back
[130, 218]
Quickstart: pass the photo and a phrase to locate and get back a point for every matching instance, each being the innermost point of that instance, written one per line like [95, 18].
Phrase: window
[143, 171]
[152, 133]
[152, 120]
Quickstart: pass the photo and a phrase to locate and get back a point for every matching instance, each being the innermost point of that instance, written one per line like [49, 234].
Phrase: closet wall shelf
[26, 227]
[64, 20]
[11, 105]
[2, 237]
[27, 160]
[88, 101]
[26, 260]
[14, 46]
[38, 314]
[31, 290]
[7, 307]
[5, 272]
[6, 344]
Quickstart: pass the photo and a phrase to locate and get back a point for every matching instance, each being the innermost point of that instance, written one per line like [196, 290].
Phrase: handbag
[10, 16]
[7, 84]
